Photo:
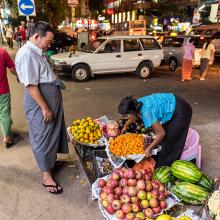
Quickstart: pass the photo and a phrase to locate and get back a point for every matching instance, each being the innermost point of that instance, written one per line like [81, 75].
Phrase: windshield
[92, 46]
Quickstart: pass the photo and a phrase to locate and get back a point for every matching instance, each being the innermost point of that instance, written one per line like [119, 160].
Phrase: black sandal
[59, 191]
[8, 144]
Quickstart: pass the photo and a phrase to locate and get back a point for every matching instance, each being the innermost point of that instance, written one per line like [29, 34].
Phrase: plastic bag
[146, 164]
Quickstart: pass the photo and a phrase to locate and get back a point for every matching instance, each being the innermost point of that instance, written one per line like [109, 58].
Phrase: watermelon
[206, 182]
[190, 193]
[186, 171]
[163, 174]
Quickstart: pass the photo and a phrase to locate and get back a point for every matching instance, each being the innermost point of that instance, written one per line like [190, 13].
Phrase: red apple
[136, 207]
[110, 210]
[120, 215]
[157, 181]
[109, 190]
[136, 218]
[124, 182]
[161, 188]
[125, 198]
[114, 183]
[130, 216]
[161, 196]
[153, 203]
[155, 194]
[104, 189]
[125, 190]
[149, 213]
[140, 215]
[132, 182]
[105, 203]
[148, 187]
[108, 183]
[166, 194]
[116, 204]
[126, 208]
[115, 175]
[141, 184]
[134, 199]
[101, 183]
[163, 204]
[142, 195]
[138, 175]
[157, 210]
[103, 195]
[155, 184]
[132, 191]
[147, 177]
[144, 204]
[110, 198]
[118, 191]
[131, 173]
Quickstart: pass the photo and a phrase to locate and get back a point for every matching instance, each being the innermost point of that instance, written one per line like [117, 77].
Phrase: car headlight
[58, 62]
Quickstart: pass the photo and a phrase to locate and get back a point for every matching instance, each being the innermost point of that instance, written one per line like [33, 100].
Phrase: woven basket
[216, 187]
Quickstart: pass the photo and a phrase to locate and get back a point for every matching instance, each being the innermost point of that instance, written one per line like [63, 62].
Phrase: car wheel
[144, 70]
[80, 73]
[173, 64]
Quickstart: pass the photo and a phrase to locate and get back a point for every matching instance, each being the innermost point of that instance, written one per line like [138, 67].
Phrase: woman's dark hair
[191, 40]
[41, 28]
[209, 41]
[129, 105]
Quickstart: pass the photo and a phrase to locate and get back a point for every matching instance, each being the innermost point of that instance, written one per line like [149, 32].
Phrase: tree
[96, 7]
[52, 11]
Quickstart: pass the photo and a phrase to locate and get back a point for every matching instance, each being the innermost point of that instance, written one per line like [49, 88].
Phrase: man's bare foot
[50, 184]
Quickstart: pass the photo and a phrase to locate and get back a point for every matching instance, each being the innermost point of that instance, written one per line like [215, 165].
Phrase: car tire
[80, 73]
[144, 70]
[173, 64]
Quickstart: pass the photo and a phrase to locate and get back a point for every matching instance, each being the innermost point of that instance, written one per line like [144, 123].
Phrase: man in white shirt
[42, 103]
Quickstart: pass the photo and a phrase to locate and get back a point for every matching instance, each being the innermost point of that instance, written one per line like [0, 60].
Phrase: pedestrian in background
[207, 57]
[17, 37]
[189, 52]
[9, 36]
[23, 35]
[5, 97]
[43, 103]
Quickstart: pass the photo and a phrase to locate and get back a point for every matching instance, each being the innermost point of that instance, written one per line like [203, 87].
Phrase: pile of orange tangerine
[127, 144]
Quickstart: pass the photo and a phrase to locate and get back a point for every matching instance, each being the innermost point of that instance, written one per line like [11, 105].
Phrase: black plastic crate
[86, 152]
[100, 157]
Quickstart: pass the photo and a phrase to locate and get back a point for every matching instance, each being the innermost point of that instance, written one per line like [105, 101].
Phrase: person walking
[5, 97]
[207, 57]
[189, 52]
[9, 36]
[43, 104]
[23, 35]
[17, 37]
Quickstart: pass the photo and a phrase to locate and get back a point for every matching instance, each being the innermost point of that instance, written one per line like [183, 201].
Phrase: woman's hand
[148, 152]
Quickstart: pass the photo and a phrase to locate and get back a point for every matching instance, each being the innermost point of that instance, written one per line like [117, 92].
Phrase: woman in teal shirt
[169, 116]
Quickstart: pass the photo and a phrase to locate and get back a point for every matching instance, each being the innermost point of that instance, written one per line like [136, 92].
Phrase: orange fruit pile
[127, 144]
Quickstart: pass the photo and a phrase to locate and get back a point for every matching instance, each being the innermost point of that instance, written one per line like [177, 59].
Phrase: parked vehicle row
[121, 54]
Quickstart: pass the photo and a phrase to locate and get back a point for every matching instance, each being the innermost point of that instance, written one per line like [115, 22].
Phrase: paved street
[23, 197]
